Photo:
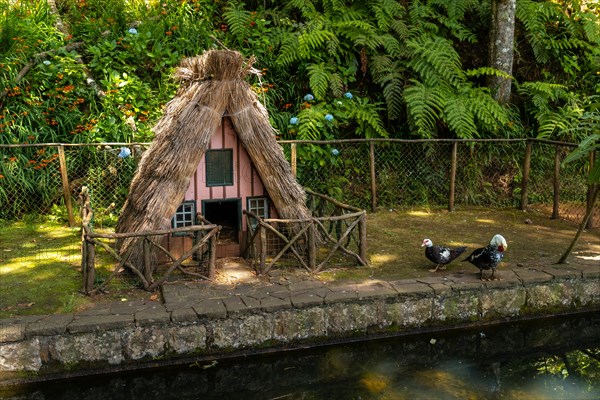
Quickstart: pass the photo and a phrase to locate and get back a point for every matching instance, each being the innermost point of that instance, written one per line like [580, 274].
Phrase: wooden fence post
[526, 171]
[362, 229]
[590, 193]
[373, 176]
[556, 202]
[65, 184]
[293, 159]
[312, 247]
[452, 176]
[147, 249]
[89, 272]
[212, 256]
[263, 247]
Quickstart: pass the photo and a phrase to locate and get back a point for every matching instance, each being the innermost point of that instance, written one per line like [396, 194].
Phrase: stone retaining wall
[199, 323]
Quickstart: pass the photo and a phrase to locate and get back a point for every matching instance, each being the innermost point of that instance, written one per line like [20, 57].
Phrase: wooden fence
[334, 227]
[150, 244]
[372, 173]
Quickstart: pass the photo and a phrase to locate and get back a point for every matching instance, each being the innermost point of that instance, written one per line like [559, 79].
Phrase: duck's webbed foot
[494, 278]
[435, 269]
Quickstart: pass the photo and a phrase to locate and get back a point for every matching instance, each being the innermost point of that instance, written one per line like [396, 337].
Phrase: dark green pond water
[555, 358]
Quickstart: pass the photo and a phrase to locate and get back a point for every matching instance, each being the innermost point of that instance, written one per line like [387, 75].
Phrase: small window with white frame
[185, 215]
[258, 206]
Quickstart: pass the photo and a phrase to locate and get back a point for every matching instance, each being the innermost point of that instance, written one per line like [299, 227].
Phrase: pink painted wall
[246, 181]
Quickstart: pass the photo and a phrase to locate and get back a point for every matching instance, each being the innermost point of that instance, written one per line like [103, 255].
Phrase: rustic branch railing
[91, 239]
[309, 236]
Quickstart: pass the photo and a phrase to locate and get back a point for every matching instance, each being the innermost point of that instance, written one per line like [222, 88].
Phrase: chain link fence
[45, 180]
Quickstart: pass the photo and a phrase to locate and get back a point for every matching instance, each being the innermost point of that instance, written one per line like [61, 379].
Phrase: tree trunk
[501, 47]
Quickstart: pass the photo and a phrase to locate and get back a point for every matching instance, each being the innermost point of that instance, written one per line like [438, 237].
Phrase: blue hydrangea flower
[329, 117]
[133, 31]
[335, 152]
[293, 120]
[46, 62]
[348, 95]
[125, 152]
[309, 97]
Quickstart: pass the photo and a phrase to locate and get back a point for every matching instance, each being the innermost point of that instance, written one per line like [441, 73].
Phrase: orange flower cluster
[34, 102]
[75, 103]
[43, 163]
[84, 128]
[12, 92]
[66, 89]
[170, 32]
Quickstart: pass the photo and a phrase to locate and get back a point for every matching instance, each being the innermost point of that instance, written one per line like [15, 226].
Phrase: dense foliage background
[331, 68]
[92, 71]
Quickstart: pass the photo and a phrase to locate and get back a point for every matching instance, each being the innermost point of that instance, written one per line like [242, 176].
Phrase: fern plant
[331, 49]
[443, 97]
[554, 108]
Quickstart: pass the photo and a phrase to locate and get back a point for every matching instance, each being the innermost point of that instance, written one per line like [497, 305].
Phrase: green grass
[40, 270]
[40, 267]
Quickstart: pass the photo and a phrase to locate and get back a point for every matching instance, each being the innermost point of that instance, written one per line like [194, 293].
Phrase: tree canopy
[101, 70]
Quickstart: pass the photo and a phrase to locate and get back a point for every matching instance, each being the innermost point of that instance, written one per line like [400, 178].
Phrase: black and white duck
[488, 257]
[441, 255]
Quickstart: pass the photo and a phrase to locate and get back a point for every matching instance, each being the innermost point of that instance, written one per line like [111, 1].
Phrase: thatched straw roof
[212, 85]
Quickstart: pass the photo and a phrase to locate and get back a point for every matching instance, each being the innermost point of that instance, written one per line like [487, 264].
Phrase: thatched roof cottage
[214, 153]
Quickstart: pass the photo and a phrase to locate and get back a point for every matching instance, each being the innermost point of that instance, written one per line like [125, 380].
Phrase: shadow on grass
[40, 269]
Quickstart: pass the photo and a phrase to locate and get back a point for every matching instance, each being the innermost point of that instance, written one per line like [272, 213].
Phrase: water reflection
[552, 359]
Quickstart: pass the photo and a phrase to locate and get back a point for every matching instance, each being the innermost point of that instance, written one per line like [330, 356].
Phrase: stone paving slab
[210, 308]
[375, 290]
[251, 303]
[131, 307]
[508, 279]
[529, 275]
[303, 300]
[92, 323]
[591, 272]
[50, 325]
[186, 314]
[16, 329]
[234, 305]
[336, 295]
[269, 304]
[306, 285]
[439, 288]
[563, 272]
[157, 314]
[411, 287]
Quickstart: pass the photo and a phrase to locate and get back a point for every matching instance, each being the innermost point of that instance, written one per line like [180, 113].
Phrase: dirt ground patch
[395, 237]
